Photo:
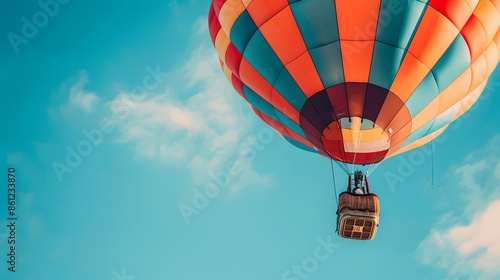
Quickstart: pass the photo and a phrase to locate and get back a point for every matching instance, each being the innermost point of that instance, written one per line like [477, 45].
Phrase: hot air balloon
[357, 81]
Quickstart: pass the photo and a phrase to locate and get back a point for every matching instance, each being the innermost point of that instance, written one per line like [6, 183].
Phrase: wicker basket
[358, 216]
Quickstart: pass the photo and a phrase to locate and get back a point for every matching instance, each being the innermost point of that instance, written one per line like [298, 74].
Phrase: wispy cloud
[199, 121]
[190, 116]
[79, 97]
[467, 243]
[200, 27]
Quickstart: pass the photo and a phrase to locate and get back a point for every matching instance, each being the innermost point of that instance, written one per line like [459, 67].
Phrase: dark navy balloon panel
[357, 81]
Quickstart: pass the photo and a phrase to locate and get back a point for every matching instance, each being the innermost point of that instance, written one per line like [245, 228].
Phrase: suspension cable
[356, 143]
[343, 166]
[372, 168]
[334, 184]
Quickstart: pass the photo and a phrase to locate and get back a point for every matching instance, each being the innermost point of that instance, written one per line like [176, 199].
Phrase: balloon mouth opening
[355, 140]
[355, 122]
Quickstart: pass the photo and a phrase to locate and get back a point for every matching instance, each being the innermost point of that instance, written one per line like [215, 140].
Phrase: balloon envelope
[357, 81]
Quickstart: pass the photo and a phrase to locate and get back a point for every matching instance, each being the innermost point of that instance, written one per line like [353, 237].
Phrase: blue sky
[116, 117]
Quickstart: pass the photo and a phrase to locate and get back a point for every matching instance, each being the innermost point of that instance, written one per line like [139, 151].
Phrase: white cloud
[471, 190]
[468, 243]
[79, 97]
[200, 26]
[201, 124]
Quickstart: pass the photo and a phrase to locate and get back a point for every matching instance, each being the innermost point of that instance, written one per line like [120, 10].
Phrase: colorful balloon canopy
[357, 81]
